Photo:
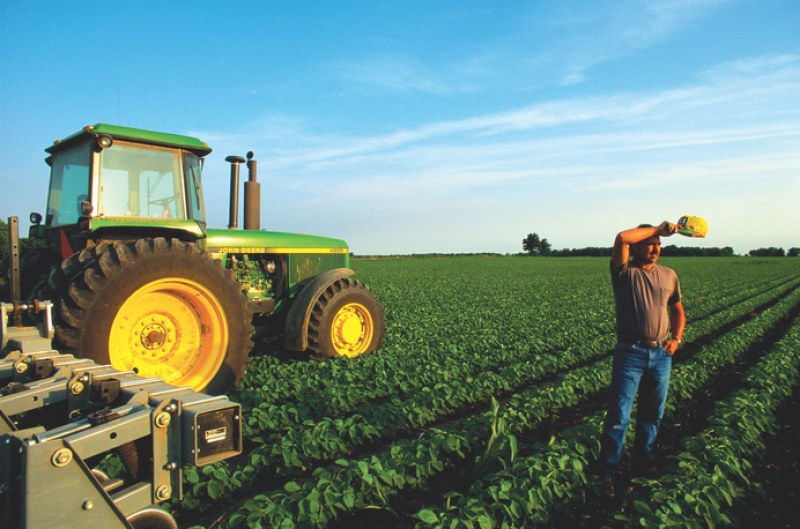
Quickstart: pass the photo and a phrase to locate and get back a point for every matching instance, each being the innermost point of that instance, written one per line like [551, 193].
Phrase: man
[647, 299]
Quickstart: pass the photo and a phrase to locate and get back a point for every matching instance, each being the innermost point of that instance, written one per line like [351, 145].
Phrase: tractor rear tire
[347, 320]
[162, 308]
[65, 272]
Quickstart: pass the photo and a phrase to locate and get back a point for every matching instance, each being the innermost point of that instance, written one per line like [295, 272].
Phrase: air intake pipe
[252, 196]
[233, 216]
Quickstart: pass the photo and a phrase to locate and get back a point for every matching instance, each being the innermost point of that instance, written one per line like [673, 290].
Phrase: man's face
[647, 251]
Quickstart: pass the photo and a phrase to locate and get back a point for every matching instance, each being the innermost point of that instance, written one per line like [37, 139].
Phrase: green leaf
[191, 475]
[349, 498]
[292, 487]
[428, 516]
[214, 490]
[485, 522]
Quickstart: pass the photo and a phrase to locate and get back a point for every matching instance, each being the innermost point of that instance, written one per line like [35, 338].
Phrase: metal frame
[60, 414]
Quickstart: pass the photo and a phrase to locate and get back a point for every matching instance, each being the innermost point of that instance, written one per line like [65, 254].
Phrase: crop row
[430, 384]
[329, 438]
[717, 467]
[555, 476]
[314, 441]
[376, 477]
[422, 333]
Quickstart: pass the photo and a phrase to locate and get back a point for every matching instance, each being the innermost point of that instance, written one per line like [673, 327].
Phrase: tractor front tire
[161, 308]
[347, 320]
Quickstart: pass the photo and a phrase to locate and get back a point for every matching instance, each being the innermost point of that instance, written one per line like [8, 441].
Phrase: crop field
[484, 407]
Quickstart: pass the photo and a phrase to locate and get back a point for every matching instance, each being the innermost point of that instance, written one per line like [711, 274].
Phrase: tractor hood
[252, 241]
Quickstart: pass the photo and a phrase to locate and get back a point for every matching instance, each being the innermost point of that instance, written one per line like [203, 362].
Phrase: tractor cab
[114, 181]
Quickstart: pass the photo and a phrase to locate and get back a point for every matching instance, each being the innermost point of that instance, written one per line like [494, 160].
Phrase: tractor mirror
[86, 208]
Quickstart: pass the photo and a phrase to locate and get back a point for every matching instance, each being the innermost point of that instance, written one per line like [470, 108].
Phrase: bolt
[163, 419]
[171, 466]
[163, 493]
[61, 457]
[88, 505]
[21, 367]
[76, 388]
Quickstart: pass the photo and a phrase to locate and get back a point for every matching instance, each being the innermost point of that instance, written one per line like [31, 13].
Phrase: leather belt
[650, 343]
[643, 343]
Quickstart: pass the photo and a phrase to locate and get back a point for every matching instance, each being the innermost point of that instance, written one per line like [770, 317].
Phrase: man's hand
[671, 346]
[665, 229]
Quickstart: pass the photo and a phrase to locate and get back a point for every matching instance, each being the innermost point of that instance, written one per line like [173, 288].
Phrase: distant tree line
[590, 251]
[533, 244]
[426, 255]
[666, 251]
[676, 251]
[774, 252]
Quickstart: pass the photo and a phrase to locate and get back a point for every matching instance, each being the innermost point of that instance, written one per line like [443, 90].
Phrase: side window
[140, 182]
[194, 187]
[69, 185]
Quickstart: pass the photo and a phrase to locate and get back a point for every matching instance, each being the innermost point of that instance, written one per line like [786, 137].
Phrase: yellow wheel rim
[352, 330]
[174, 329]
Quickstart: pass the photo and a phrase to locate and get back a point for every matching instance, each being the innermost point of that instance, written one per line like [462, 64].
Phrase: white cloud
[692, 148]
[663, 111]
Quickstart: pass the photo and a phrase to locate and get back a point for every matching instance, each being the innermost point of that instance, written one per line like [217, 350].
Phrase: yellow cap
[692, 226]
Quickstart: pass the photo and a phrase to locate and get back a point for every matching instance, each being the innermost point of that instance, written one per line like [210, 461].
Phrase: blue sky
[449, 126]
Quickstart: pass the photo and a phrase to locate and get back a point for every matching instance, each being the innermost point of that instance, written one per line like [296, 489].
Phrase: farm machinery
[62, 417]
[138, 281]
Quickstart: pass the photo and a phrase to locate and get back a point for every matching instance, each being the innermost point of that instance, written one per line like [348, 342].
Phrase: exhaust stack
[233, 217]
[252, 196]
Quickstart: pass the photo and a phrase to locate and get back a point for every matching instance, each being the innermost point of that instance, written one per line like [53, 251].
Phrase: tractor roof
[189, 143]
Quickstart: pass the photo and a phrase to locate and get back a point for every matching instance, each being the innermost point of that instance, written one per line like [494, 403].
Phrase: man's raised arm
[621, 251]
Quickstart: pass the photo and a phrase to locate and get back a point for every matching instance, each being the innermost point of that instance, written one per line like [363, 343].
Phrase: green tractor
[141, 283]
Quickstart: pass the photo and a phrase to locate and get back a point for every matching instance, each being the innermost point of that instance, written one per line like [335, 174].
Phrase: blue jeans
[642, 369]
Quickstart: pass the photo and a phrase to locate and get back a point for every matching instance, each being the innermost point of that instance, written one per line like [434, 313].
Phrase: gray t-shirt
[641, 298]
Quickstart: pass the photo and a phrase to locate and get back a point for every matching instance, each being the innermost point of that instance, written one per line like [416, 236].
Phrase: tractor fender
[295, 336]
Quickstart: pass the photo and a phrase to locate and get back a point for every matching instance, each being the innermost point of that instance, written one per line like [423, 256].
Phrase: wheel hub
[156, 337]
[350, 327]
[351, 332]
[153, 337]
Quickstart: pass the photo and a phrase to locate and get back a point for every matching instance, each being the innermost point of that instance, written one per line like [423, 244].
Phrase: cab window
[194, 186]
[140, 182]
[69, 185]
